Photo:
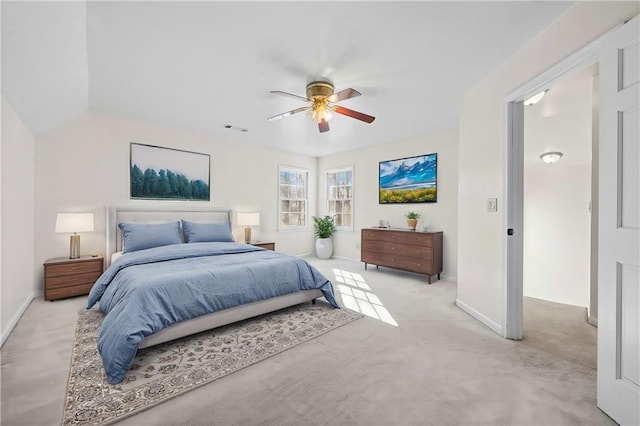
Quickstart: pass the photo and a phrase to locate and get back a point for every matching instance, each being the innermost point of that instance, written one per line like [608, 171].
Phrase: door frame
[512, 259]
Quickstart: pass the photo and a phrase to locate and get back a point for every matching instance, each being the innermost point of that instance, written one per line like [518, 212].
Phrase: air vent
[239, 129]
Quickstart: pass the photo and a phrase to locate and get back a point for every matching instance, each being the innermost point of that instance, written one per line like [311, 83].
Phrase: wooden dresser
[412, 251]
[64, 277]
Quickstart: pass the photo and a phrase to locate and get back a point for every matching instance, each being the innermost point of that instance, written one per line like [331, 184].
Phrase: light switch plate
[492, 204]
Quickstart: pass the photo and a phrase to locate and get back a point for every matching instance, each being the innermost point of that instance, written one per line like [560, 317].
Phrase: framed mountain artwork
[409, 180]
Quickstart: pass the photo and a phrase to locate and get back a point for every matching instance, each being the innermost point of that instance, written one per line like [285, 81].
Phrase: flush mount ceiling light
[551, 157]
[535, 98]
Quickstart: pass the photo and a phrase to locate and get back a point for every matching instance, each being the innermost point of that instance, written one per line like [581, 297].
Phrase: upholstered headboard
[116, 215]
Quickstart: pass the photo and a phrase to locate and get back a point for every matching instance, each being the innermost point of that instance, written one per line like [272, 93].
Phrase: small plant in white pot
[412, 220]
[324, 227]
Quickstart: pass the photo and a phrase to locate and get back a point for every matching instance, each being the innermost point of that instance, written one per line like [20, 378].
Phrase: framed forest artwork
[168, 174]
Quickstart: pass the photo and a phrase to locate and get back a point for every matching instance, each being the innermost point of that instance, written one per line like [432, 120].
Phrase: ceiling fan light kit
[321, 97]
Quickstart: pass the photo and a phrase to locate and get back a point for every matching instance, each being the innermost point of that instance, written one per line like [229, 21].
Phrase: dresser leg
[429, 281]
[365, 266]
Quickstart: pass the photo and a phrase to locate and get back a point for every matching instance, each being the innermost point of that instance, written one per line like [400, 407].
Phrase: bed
[168, 286]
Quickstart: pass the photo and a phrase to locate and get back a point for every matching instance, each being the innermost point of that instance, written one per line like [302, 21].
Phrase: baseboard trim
[495, 327]
[14, 321]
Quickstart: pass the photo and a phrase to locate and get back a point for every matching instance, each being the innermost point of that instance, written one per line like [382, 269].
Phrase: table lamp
[74, 223]
[248, 220]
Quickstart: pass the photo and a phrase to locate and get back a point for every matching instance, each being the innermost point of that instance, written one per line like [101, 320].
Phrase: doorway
[582, 63]
[557, 191]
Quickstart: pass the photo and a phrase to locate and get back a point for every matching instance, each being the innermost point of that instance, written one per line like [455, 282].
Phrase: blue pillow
[136, 236]
[206, 232]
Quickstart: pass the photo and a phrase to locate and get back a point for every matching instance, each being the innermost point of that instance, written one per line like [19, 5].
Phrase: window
[340, 197]
[293, 198]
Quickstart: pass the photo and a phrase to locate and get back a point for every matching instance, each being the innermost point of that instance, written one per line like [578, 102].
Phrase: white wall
[556, 234]
[441, 216]
[16, 220]
[83, 165]
[481, 151]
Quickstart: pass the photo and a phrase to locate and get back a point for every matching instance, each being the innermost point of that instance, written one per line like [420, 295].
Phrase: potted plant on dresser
[324, 227]
[412, 220]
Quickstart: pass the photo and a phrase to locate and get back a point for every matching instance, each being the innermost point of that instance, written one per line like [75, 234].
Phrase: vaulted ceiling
[203, 65]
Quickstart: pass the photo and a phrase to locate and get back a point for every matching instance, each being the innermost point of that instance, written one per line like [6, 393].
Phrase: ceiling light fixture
[551, 157]
[535, 98]
[320, 110]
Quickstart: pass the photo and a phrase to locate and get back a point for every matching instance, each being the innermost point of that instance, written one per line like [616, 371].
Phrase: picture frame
[408, 180]
[160, 173]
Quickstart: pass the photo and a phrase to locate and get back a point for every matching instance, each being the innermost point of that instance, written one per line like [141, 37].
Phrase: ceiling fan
[321, 100]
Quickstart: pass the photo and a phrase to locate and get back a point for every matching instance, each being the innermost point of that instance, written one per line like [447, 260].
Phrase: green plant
[413, 215]
[323, 226]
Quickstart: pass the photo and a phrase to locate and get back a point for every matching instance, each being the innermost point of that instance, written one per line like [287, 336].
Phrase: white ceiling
[201, 65]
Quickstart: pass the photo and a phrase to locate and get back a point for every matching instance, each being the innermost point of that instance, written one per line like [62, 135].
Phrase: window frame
[297, 170]
[349, 168]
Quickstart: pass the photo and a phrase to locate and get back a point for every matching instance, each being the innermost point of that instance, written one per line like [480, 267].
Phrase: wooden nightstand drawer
[73, 268]
[65, 277]
[264, 244]
[72, 280]
[60, 293]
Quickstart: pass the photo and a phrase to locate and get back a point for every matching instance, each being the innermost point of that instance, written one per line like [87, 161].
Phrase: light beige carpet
[164, 371]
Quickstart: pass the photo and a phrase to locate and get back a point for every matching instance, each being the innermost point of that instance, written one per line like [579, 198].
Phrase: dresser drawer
[73, 268]
[399, 262]
[418, 239]
[415, 252]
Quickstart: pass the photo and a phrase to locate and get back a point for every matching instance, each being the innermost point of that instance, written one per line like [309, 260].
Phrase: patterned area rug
[170, 369]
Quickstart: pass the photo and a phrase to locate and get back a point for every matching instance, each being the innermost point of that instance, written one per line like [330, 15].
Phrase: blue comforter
[148, 290]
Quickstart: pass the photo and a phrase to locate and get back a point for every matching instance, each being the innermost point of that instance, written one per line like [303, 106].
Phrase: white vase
[324, 248]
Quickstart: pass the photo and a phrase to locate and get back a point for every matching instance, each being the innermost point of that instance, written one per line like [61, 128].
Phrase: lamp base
[247, 235]
[74, 247]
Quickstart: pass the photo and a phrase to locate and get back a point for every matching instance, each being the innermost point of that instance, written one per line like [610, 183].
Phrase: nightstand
[64, 277]
[269, 245]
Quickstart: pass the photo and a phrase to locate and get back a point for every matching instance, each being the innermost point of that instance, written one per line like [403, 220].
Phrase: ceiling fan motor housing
[319, 89]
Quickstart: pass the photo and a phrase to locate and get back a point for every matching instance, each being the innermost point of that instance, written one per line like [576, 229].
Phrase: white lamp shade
[249, 219]
[74, 222]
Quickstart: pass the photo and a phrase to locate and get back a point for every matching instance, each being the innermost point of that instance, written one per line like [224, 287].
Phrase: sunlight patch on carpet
[357, 296]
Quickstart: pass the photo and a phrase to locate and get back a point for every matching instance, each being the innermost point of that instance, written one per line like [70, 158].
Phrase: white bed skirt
[228, 316]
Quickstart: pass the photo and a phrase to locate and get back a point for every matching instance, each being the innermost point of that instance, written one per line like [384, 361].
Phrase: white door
[619, 210]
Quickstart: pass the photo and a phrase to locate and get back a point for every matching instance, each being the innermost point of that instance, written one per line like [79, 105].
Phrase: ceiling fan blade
[323, 126]
[354, 114]
[343, 94]
[288, 113]
[291, 95]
